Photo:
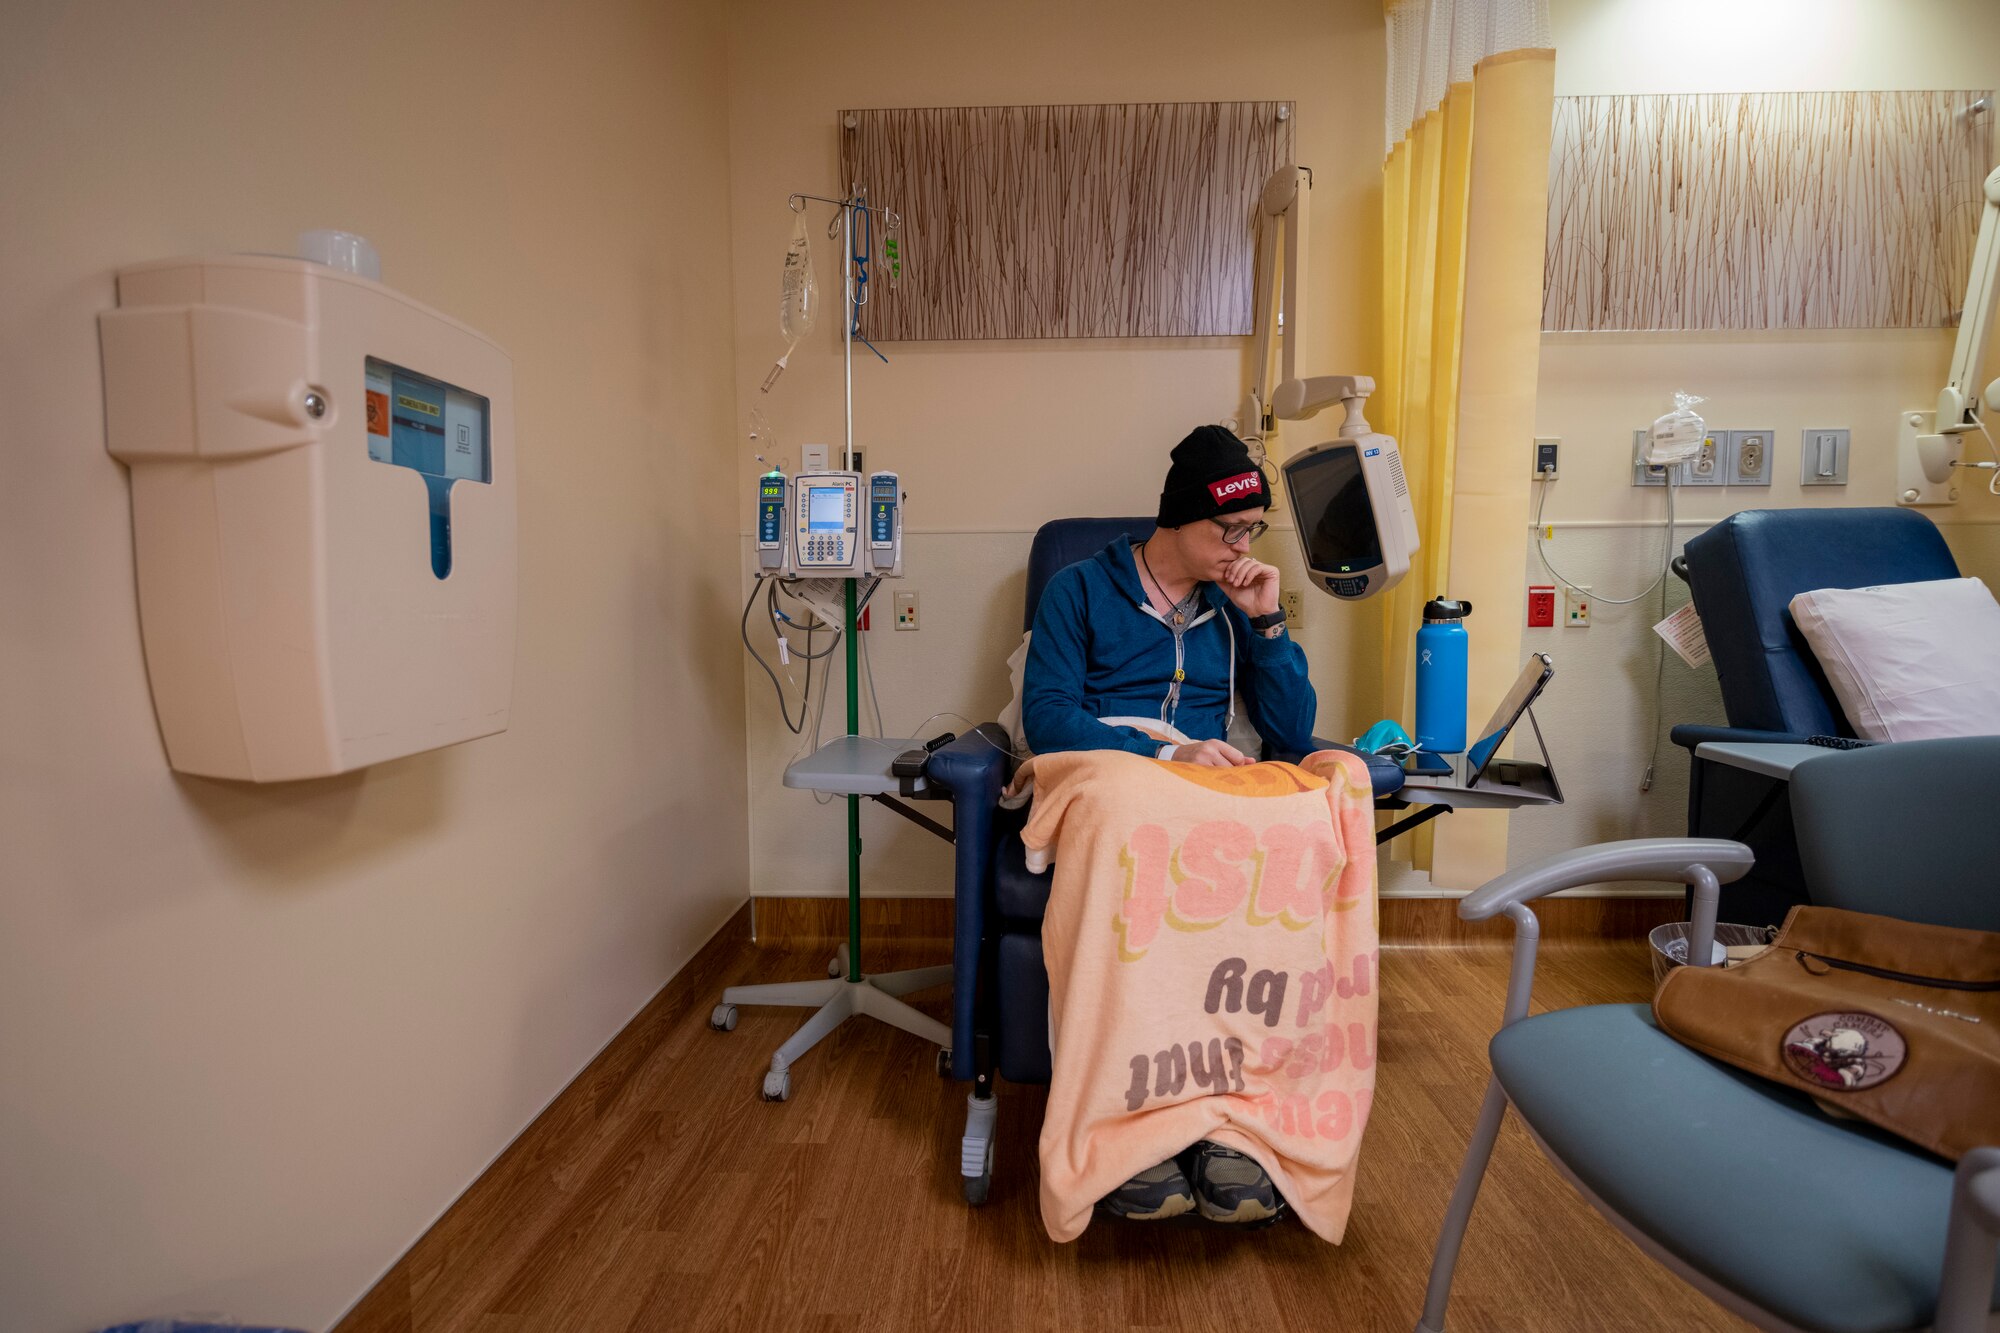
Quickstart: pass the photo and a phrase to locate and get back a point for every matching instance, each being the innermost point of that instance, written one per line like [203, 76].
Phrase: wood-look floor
[661, 1192]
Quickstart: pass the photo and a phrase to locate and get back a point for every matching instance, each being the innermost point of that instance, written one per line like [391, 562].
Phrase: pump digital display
[826, 508]
[1331, 500]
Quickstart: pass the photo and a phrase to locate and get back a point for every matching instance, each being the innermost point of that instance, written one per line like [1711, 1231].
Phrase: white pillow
[1909, 661]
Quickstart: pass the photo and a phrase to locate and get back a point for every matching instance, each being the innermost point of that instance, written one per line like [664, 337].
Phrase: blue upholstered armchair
[1000, 990]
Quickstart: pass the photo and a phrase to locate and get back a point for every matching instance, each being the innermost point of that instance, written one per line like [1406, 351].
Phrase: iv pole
[848, 314]
[848, 992]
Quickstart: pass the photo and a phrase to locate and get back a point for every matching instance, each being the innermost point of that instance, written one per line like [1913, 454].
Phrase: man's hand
[1212, 754]
[1252, 585]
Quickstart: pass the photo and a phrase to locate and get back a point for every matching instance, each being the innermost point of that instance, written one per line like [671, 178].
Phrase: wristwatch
[1270, 626]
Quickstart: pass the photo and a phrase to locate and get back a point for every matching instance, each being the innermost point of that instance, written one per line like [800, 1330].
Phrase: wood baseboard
[784, 922]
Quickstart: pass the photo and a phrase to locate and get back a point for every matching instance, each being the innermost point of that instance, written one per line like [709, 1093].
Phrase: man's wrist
[1269, 620]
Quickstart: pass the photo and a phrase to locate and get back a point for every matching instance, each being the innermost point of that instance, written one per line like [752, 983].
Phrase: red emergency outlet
[1542, 607]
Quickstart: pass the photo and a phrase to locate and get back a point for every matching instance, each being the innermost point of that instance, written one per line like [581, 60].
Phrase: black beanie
[1212, 475]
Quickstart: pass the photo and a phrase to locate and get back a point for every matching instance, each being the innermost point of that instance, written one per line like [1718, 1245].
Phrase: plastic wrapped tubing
[1677, 436]
[798, 303]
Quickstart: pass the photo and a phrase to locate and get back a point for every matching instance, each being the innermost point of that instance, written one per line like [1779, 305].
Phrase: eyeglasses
[1233, 533]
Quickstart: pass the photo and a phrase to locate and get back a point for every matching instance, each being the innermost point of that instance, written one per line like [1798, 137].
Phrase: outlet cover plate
[1546, 449]
[1822, 457]
[1644, 473]
[1750, 457]
[1710, 466]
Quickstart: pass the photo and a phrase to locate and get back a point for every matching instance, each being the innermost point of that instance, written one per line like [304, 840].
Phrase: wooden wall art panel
[1763, 210]
[1066, 221]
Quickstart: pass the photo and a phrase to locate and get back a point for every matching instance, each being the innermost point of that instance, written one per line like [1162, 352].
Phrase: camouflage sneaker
[1156, 1193]
[1230, 1188]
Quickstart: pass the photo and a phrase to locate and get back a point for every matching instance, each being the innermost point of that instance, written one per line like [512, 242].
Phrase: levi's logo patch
[1249, 483]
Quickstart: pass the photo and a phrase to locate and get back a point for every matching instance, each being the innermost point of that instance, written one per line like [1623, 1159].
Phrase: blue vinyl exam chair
[1743, 573]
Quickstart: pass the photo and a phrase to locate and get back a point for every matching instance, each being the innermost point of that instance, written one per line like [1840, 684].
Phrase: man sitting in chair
[1176, 627]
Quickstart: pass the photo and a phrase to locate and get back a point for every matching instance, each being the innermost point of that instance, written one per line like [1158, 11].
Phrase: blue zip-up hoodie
[1099, 650]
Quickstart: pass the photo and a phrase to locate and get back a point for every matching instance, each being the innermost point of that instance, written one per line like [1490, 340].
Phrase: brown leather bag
[1891, 1021]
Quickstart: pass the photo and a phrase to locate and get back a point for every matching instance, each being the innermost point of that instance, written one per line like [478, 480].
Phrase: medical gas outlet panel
[830, 525]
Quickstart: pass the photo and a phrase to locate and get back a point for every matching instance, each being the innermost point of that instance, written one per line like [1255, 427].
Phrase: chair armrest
[972, 769]
[1385, 775]
[1704, 863]
[1604, 863]
[1965, 1288]
[973, 762]
[1690, 734]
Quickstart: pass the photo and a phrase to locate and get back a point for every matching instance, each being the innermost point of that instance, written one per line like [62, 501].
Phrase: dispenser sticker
[437, 430]
[378, 379]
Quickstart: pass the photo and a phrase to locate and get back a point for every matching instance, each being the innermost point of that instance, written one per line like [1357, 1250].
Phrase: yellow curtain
[1464, 210]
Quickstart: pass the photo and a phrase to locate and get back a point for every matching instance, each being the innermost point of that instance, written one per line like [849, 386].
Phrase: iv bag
[1677, 436]
[800, 306]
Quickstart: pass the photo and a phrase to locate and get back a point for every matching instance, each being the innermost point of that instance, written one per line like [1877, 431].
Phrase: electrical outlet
[1706, 467]
[906, 610]
[1542, 606]
[1293, 602]
[1576, 607]
[1644, 473]
[1750, 457]
[1546, 447]
[1823, 458]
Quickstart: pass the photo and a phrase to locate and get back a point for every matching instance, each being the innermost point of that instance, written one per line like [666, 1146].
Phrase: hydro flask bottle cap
[1443, 608]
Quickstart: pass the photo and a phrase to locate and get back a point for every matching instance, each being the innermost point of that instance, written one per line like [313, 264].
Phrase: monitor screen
[1334, 511]
[826, 508]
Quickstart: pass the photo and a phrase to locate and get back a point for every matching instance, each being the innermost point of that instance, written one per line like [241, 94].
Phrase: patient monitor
[1351, 505]
[1350, 501]
[322, 512]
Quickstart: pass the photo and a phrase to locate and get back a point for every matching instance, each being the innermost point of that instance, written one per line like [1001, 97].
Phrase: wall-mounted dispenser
[323, 514]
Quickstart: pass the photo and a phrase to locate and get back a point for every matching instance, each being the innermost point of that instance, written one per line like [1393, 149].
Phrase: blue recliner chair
[1743, 574]
[1000, 986]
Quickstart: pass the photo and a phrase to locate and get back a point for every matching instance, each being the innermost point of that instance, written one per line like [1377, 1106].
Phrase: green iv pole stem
[847, 313]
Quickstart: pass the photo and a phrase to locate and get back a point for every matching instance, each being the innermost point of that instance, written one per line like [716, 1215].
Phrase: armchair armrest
[1965, 1291]
[1607, 862]
[1385, 775]
[1690, 734]
[973, 761]
[1706, 863]
[972, 768]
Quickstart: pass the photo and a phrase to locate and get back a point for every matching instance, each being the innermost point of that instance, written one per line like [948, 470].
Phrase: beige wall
[1595, 389]
[255, 1038]
[993, 439]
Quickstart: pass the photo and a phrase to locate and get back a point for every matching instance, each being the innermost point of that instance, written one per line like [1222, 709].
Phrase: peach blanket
[1211, 945]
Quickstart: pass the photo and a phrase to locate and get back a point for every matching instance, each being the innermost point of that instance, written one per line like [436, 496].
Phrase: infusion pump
[830, 525]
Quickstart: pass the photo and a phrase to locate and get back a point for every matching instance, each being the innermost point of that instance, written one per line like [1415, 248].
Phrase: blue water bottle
[1441, 654]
